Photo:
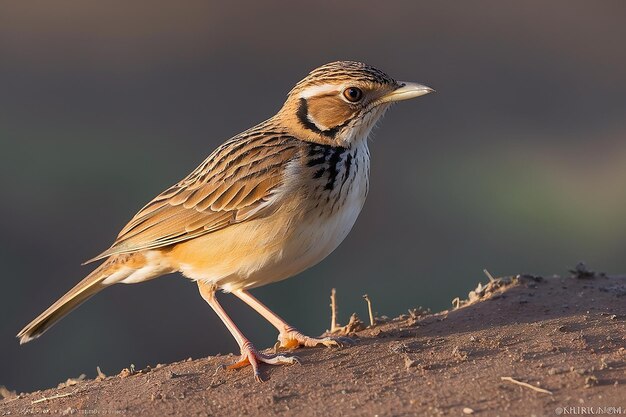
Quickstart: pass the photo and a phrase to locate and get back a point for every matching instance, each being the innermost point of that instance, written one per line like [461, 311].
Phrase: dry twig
[333, 312]
[369, 309]
[54, 397]
[353, 325]
[101, 374]
[491, 278]
[524, 384]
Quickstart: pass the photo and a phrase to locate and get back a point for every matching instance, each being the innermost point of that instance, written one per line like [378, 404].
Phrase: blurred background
[516, 164]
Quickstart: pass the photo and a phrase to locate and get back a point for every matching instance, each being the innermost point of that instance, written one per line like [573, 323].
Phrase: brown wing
[231, 186]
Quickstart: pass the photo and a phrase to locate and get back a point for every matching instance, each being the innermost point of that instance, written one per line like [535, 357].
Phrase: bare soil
[563, 335]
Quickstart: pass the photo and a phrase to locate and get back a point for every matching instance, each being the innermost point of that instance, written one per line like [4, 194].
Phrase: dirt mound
[518, 346]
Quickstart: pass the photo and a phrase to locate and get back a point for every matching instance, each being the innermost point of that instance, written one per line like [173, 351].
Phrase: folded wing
[234, 184]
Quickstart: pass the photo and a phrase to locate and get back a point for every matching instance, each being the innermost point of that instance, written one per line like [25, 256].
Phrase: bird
[264, 206]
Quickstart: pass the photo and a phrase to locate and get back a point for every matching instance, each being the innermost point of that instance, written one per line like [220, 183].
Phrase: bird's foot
[291, 338]
[251, 356]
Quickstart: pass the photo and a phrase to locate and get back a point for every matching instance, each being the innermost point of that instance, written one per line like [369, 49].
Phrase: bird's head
[340, 102]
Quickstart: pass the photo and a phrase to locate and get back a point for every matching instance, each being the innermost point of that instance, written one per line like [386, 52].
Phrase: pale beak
[406, 91]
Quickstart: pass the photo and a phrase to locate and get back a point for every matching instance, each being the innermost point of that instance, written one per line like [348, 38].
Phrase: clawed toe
[292, 339]
[250, 356]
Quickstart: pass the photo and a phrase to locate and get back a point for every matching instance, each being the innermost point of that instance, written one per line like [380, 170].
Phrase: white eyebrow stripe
[316, 90]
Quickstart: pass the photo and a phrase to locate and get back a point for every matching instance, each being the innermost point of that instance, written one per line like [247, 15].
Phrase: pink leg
[249, 355]
[289, 337]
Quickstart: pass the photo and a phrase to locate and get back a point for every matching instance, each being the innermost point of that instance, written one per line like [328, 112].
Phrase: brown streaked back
[232, 185]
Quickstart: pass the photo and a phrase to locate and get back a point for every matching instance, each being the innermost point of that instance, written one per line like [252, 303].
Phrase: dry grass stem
[333, 312]
[491, 278]
[524, 384]
[54, 397]
[369, 309]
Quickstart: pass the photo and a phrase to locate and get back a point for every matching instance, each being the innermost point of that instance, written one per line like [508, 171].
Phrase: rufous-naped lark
[265, 205]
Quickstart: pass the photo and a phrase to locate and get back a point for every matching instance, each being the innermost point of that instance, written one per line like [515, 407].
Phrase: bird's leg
[249, 354]
[289, 337]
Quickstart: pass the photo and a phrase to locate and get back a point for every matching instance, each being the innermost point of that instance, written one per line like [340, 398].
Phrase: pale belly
[273, 248]
[309, 244]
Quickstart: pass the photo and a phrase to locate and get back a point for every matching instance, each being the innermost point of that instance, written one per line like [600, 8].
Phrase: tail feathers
[89, 286]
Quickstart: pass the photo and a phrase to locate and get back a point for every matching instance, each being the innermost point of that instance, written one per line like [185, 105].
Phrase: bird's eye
[353, 94]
